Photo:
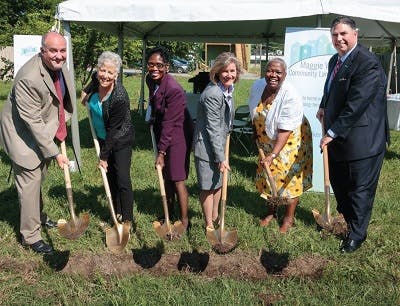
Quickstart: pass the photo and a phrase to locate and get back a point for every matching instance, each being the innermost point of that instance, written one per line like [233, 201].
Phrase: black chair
[242, 130]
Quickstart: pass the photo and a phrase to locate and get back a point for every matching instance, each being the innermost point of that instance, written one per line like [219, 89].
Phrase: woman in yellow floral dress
[284, 134]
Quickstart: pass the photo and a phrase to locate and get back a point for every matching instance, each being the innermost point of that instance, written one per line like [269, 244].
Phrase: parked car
[179, 66]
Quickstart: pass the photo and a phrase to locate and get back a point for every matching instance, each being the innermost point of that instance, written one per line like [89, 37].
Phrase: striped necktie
[337, 67]
[334, 71]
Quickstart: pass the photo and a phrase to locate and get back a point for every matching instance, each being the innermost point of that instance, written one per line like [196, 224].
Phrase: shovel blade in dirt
[222, 241]
[323, 220]
[73, 228]
[336, 225]
[169, 231]
[117, 237]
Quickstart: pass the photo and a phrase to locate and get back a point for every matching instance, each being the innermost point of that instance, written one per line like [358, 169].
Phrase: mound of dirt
[237, 264]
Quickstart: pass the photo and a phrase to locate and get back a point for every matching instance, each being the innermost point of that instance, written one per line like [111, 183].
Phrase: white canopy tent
[248, 21]
[234, 21]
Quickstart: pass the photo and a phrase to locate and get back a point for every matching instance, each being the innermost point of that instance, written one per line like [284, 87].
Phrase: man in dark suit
[353, 110]
[34, 114]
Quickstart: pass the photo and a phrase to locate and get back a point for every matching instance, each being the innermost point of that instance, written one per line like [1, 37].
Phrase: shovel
[116, 237]
[273, 200]
[165, 230]
[75, 227]
[337, 224]
[223, 241]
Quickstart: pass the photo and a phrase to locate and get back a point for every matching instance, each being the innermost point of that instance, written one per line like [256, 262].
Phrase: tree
[33, 17]
[25, 17]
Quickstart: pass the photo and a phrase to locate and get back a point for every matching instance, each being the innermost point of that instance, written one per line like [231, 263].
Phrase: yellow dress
[292, 168]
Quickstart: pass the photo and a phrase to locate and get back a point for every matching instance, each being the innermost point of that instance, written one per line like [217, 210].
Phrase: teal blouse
[96, 113]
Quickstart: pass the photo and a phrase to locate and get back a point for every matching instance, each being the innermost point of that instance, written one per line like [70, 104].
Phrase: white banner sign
[25, 46]
[307, 53]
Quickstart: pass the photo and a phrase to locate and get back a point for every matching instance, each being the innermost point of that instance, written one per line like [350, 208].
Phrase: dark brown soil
[237, 264]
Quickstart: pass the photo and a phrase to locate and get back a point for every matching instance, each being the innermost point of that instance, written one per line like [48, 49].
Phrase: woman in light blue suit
[213, 123]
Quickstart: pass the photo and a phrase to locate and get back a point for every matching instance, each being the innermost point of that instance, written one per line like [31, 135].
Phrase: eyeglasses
[158, 65]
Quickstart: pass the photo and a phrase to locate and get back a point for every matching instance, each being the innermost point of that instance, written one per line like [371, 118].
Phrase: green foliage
[25, 17]
[8, 69]
[37, 17]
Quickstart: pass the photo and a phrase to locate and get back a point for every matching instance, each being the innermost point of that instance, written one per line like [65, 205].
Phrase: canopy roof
[234, 21]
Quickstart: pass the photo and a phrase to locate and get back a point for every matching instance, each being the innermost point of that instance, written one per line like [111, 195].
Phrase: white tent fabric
[249, 21]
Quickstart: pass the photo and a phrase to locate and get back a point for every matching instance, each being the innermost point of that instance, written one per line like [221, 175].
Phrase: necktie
[336, 69]
[61, 133]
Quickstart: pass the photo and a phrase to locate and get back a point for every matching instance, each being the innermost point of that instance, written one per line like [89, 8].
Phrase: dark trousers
[119, 179]
[354, 184]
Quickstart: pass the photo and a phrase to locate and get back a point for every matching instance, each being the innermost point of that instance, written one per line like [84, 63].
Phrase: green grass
[370, 276]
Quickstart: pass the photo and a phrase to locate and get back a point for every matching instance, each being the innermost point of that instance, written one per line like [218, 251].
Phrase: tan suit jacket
[29, 119]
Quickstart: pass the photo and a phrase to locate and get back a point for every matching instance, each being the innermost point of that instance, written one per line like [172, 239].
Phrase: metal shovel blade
[73, 228]
[336, 225]
[222, 241]
[323, 220]
[117, 237]
[169, 231]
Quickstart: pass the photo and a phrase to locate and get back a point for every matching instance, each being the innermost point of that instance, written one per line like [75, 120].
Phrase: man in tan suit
[35, 111]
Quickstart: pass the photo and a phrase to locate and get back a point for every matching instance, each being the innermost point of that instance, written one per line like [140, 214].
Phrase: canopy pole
[395, 65]
[76, 143]
[389, 75]
[121, 48]
[141, 99]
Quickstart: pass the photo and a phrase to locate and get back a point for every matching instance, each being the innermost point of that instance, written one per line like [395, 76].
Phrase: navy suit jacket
[355, 107]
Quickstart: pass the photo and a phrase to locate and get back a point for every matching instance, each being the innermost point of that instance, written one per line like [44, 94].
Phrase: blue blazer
[355, 107]
[212, 125]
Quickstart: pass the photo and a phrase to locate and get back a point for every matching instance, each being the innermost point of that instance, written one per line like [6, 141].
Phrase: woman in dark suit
[173, 128]
[213, 123]
[110, 112]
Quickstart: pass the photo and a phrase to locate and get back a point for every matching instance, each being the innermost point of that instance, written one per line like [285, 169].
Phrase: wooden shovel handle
[68, 185]
[327, 188]
[225, 174]
[160, 179]
[269, 174]
[224, 187]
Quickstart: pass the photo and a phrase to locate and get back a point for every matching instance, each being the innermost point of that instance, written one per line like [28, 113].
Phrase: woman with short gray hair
[110, 112]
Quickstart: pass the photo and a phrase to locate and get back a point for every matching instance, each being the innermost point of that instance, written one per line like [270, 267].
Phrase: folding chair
[242, 126]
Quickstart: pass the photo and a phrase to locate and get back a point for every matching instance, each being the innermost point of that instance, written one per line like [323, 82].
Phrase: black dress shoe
[41, 247]
[49, 223]
[350, 245]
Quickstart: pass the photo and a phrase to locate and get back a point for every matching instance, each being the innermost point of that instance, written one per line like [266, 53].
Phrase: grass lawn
[302, 267]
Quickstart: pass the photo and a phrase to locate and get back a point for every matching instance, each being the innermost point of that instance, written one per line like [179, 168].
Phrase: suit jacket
[212, 125]
[171, 120]
[355, 107]
[29, 119]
